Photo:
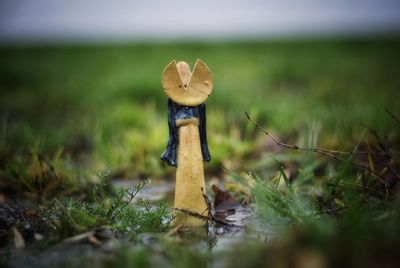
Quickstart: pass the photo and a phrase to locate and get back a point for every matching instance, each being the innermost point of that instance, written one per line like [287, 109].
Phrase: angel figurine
[187, 146]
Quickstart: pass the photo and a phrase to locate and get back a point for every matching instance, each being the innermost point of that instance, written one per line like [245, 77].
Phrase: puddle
[233, 216]
[154, 191]
[228, 236]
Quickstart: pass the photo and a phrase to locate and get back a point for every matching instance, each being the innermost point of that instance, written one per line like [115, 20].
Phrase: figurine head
[185, 87]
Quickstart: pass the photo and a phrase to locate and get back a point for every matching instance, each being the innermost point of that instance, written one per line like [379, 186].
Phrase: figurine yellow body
[187, 147]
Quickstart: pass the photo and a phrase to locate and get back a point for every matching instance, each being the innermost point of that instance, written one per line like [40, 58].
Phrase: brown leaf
[19, 241]
[223, 199]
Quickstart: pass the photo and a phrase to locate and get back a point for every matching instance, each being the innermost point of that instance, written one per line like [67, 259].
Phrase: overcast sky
[60, 20]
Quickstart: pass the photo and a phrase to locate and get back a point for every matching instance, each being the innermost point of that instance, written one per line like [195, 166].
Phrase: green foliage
[66, 112]
[103, 106]
[314, 203]
[29, 174]
[279, 201]
[115, 209]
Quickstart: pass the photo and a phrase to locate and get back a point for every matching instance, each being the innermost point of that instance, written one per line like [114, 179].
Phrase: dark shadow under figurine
[175, 112]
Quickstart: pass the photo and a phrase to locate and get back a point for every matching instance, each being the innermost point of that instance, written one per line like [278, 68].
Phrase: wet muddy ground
[227, 228]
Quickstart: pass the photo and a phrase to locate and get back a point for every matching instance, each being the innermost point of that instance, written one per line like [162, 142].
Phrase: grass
[104, 105]
[69, 112]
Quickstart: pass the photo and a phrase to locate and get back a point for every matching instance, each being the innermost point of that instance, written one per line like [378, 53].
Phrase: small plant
[280, 202]
[115, 209]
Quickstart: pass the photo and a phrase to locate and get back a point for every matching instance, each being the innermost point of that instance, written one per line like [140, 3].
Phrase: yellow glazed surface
[184, 87]
[189, 175]
[189, 89]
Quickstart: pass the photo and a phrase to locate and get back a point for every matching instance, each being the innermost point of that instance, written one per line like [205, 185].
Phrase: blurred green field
[103, 106]
[70, 112]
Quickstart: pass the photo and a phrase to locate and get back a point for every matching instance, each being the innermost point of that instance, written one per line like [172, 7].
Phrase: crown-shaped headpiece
[185, 87]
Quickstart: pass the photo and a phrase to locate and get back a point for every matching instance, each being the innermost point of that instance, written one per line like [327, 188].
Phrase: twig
[387, 163]
[42, 158]
[380, 146]
[210, 215]
[206, 218]
[193, 213]
[325, 152]
[332, 210]
[132, 194]
[211, 212]
[395, 118]
[78, 238]
[210, 207]
[172, 218]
